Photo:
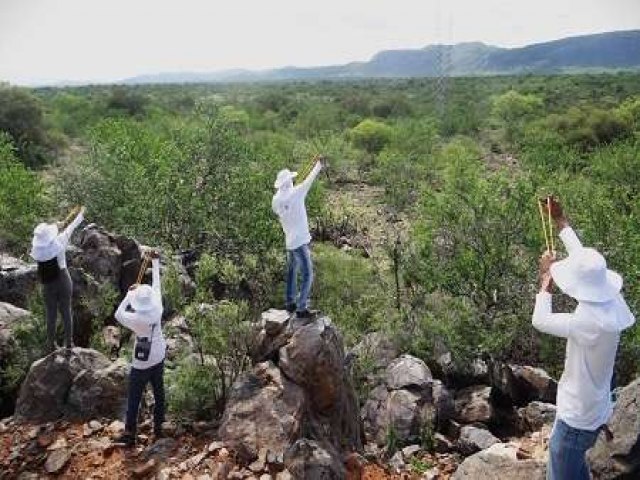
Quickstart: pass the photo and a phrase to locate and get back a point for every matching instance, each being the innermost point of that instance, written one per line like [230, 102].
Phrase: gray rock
[10, 316]
[523, 384]
[397, 462]
[307, 459]
[535, 415]
[620, 458]
[411, 450]
[473, 404]
[266, 398]
[499, 462]
[57, 460]
[473, 439]
[18, 280]
[275, 321]
[408, 371]
[78, 384]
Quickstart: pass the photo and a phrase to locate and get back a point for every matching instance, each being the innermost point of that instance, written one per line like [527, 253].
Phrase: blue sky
[107, 40]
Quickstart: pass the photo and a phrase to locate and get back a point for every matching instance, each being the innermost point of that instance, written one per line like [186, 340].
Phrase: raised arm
[155, 276]
[65, 236]
[566, 233]
[306, 184]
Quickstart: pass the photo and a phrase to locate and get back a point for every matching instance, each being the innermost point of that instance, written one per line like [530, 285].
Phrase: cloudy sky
[106, 40]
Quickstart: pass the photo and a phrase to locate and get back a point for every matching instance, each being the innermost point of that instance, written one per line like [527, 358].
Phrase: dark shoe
[126, 439]
[304, 314]
[291, 307]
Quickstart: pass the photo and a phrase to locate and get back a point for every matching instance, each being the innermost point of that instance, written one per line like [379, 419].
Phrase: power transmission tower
[442, 66]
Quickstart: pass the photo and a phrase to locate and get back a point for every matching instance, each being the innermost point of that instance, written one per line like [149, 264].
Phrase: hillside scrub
[191, 168]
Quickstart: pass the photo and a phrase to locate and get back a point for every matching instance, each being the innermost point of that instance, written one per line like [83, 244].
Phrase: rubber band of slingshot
[306, 170]
[143, 269]
[553, 246]
[544, 224]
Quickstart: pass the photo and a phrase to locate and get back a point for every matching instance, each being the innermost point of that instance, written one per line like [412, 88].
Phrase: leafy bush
[371, 135]
[21, 117]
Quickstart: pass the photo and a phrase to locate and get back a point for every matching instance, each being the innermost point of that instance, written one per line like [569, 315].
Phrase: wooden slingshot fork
[143, 269]
[548, 235]
[306, 170]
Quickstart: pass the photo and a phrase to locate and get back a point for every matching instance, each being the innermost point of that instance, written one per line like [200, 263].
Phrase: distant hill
[597, 52]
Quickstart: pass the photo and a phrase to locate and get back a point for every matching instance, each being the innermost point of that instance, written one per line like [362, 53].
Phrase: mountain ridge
[618, 50]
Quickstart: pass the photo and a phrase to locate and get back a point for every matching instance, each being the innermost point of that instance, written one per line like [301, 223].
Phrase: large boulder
[78, 384]
[473, 404]
[620, 457]
[18, 280]
[264, 409]
[523, 384]
[408, 371]
[9, 317]
[500, 462]
[406, 403]
[300, 389]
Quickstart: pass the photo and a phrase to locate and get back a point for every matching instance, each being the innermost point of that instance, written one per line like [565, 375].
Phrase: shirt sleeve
[130, 320]
[307, 182]
[65, 236]
[557, 324]
[570, 240]
[155, 277]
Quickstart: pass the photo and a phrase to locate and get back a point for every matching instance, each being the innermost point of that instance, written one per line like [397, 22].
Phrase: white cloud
[108, 40]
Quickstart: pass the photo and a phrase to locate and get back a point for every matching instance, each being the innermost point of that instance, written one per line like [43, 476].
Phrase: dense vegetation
[443, 203]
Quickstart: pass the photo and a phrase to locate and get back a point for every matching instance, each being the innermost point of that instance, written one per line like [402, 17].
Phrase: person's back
[584, 399]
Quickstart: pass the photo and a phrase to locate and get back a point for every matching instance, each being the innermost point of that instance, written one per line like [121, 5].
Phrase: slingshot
[306, 170]
[72, 214]
[548, 236]
[143, 269]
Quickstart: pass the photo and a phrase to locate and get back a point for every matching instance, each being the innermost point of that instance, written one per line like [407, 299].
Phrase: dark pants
[57, 296]
[300, 258]
[138, 380]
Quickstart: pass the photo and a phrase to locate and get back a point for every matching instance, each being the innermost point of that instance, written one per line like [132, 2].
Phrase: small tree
[371, 135]
[512, 109]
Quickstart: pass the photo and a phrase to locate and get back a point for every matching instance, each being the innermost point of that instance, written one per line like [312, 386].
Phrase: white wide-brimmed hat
[284, 176]
[584, 276]
[44, 245]
[142, 299]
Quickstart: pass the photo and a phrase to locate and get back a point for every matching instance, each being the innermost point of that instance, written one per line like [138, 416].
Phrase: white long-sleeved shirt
[288, 204]
[141, 323]
[592, 332]
[58, 248]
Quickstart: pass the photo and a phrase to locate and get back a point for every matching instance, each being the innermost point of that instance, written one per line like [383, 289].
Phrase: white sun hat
[142, 299]
[44, 245]
[284, 176]
[584, 276]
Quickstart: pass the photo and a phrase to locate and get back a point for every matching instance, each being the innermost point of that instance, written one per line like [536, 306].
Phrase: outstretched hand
[553, 205]
[544, 271]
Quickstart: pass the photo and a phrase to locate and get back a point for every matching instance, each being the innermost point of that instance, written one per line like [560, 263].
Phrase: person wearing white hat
[592, 332]
[141, 311]
[48, 248]
[289, 204]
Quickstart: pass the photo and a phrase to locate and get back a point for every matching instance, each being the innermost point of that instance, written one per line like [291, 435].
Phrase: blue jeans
[138, 379]
[567, 449]
[300, 258]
